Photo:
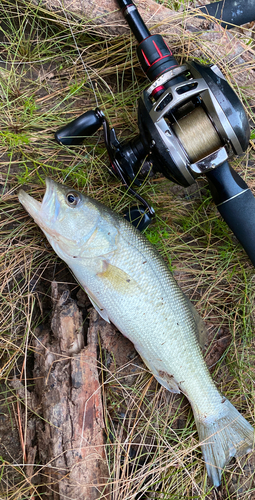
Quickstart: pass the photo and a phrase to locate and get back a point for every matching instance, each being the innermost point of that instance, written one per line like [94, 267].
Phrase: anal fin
[164, 378]
[167, 381]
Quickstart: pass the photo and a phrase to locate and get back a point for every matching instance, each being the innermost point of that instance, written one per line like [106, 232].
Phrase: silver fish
[130, 285]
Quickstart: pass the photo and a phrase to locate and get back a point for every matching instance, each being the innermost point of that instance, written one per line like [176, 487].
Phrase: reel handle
[236, 204]
[85, 125]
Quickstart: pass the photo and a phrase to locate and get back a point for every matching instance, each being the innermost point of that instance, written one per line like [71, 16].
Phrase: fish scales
[130, 285]
[157, 300]
[156, 308]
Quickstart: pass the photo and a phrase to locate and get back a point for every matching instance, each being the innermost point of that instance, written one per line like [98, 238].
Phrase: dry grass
[152, 442]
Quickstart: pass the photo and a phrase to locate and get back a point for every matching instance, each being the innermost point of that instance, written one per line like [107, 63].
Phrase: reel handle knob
[139, 217]
[236, 204]
[85, 125]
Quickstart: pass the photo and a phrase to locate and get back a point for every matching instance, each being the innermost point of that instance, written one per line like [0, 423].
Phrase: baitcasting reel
[190, 122]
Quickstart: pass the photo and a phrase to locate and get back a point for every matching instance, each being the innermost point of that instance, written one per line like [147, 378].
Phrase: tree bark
[71, 433]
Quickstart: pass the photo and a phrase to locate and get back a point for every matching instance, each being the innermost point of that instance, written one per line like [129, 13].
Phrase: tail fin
[223, 439]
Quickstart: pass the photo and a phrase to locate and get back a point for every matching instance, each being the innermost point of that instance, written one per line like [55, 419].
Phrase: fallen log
[106, 18]
[70, 435]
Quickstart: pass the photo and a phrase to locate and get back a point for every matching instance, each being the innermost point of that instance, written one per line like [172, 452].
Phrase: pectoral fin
[118, 279]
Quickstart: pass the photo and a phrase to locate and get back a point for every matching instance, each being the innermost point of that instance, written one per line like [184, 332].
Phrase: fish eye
[72, 199]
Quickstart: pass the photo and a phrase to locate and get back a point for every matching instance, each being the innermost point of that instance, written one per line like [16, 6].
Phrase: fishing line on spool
[197, 134]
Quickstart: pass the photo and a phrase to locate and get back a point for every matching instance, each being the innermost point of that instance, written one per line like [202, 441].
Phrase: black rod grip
[85, 125]
[153, 53]
[236, 204]
[230, 12]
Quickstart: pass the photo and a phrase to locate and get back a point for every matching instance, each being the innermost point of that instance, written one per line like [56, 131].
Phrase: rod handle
[236, 204]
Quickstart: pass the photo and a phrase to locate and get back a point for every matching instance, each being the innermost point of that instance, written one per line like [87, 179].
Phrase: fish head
[70, 221]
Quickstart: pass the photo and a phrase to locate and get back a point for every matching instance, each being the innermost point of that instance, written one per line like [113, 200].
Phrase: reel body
[194, 126]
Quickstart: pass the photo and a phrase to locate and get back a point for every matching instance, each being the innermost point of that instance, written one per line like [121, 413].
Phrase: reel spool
[197, 135]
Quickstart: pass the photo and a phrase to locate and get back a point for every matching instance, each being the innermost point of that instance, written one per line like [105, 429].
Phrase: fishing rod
[190, 122]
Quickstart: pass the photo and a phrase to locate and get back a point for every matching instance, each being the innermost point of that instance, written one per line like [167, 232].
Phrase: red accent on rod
[146, 59]
[126, 7]
[157, 60]
[157, 89]
[157, 49]
[170, 52]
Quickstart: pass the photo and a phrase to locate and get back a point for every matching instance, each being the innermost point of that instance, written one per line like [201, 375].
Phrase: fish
[131, 286]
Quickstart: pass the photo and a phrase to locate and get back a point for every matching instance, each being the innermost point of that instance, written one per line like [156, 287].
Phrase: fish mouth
[34, 207]
[45, 213]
